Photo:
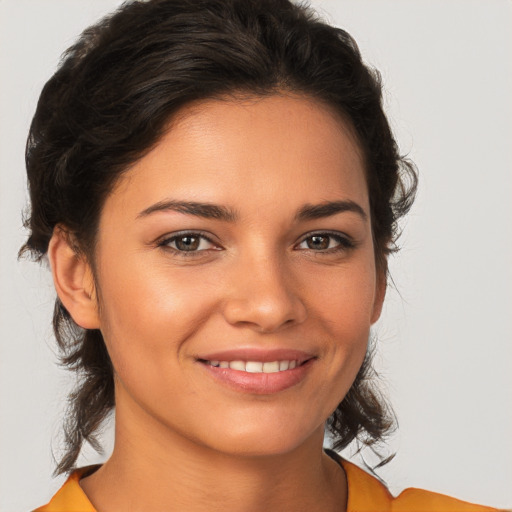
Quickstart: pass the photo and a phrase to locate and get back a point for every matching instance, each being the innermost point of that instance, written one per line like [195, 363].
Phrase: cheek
[148, 314]
[344, 315]
[345, 297]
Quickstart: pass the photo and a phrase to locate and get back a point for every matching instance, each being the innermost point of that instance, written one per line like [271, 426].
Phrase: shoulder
[367, 493]
[70, 497]
[418, 500]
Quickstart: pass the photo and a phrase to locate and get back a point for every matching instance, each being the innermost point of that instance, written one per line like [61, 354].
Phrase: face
[235, 275]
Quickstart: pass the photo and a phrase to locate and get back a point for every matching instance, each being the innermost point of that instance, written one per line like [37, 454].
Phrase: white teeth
[283, 365]
[256, 366]
[253, 367]
[237, 365]
[271, 367]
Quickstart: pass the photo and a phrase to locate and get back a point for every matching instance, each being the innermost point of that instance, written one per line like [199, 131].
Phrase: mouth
[256, 372]
[257, 366]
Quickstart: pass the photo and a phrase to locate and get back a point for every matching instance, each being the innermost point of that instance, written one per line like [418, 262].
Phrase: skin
[183, 439]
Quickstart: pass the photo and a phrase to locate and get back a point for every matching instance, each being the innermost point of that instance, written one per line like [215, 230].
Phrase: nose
[263, 296]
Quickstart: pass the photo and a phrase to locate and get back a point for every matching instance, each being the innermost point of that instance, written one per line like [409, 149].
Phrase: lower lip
[259, 383]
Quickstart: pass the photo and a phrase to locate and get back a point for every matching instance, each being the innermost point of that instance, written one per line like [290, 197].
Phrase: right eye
[188, 243]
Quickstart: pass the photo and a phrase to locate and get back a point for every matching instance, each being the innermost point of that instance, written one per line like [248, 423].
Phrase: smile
[256, 366]
[256, 371]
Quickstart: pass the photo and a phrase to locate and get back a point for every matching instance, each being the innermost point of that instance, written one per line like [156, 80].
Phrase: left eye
[325, 242]
[188, 242]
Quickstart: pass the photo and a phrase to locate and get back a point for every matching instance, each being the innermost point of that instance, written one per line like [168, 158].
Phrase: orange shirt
[365, 494]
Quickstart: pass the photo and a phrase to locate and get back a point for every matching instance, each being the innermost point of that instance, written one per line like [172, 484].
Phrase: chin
[257, 440]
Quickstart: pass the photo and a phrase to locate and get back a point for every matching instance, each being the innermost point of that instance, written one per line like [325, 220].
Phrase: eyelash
[165, 243]
[343, 241]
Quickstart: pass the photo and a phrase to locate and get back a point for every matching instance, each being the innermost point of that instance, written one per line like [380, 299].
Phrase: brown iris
[187, 243]
[318, 242]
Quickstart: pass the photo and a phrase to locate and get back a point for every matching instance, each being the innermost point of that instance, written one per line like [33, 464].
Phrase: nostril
[265, 313]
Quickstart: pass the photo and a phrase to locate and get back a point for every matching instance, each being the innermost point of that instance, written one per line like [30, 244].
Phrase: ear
[380, 294]
[73, 279]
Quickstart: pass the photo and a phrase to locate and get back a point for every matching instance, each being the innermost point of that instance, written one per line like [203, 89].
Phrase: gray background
[445, 344]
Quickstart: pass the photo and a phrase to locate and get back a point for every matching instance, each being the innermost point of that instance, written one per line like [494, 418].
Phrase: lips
[258, 371]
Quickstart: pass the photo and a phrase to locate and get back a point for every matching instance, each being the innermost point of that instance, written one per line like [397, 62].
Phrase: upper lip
[257, 354]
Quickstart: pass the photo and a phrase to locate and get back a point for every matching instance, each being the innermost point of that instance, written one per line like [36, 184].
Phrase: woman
[217, 190]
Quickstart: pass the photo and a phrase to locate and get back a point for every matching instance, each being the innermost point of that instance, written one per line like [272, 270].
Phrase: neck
[152, 468]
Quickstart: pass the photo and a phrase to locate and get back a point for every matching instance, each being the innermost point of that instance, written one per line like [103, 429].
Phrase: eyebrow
[205, 210]
[329, 208]
[223, 213]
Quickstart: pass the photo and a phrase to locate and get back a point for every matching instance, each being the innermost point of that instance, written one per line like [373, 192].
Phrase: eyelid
[346, 242]
[166, 239]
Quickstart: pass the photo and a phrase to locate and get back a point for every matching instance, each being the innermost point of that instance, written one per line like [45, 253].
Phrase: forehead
[223, 150]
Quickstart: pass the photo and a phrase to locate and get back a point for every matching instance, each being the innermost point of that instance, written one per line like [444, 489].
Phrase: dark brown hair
[110, 101]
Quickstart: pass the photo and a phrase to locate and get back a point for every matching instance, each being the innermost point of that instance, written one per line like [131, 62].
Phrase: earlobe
[73, 280]
[380, 294]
